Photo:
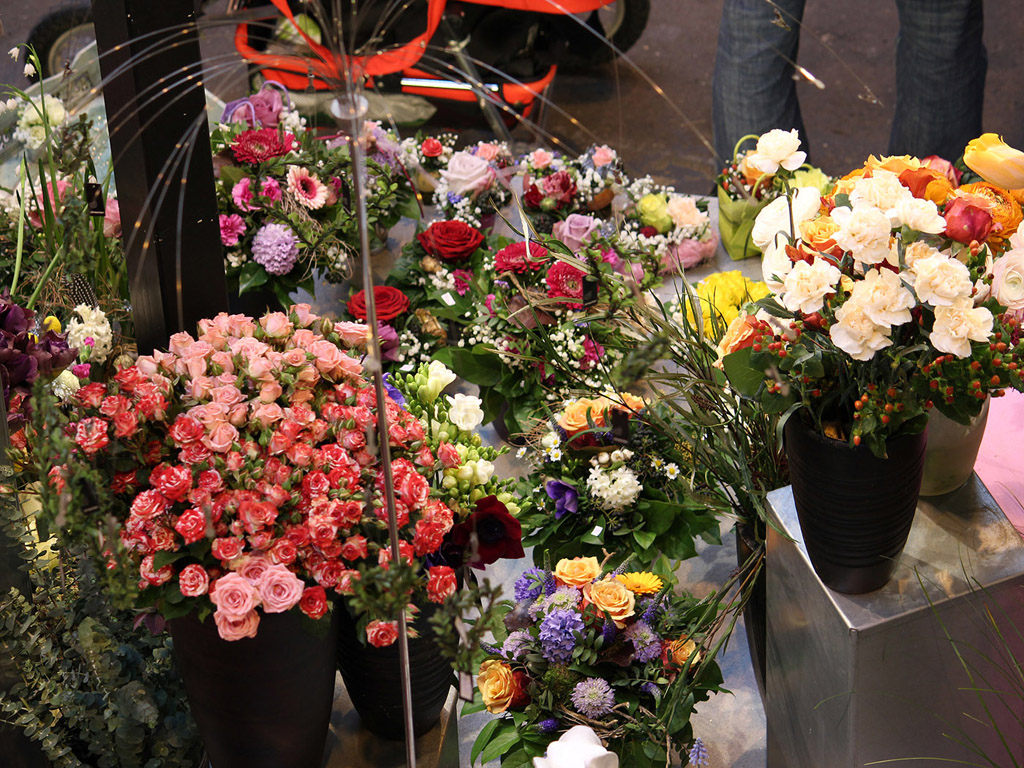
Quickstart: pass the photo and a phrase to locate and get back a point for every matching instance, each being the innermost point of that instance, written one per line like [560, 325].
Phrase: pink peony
[279, 589]
[688, 254]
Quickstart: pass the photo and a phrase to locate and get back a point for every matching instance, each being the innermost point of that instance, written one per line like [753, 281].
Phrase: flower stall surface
[619, 652]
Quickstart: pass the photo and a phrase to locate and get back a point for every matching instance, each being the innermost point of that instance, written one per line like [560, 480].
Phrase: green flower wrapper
[735, 223]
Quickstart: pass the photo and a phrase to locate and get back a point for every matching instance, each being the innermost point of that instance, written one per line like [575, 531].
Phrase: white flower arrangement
[31, 130]
[92, 334]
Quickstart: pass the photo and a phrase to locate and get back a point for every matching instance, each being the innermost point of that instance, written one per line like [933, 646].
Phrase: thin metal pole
[352, 107]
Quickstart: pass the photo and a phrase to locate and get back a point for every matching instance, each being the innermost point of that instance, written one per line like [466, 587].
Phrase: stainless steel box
[855, 679]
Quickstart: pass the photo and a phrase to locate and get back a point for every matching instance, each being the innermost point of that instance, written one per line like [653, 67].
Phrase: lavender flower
[565, 496]
[515, 643]
[550, 585]
[530, 584]
[698, 753]
[608, 631]
[558, 634]
[593, 697]
[548, 726]
[275, 248]
[645, 642]
[652, 689]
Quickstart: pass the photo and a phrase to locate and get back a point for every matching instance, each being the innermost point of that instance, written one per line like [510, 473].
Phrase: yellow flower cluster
[724, 293]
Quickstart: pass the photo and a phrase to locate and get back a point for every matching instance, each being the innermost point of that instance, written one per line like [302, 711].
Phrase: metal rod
[353, 107]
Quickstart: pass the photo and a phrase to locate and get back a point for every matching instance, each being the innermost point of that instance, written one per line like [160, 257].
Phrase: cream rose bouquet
[620, 652]
[871, 286]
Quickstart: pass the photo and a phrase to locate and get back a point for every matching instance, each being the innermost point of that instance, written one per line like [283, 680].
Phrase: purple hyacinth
[548, 726]
[515, 643]
[698, 753]
[608, 631]
[565, 496]
[558, 634]
[275, 248]
[652, 689]
[530, 584]
[593, 697]
[645, 642]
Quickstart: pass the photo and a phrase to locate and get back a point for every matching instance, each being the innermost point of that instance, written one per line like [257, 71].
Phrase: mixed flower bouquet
[871, 285]
[619, 652]
[286, 204]
[236, 474]
[555, 186]
[607, 479]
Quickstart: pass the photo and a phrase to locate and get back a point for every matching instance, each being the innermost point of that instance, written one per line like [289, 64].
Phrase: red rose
[149, 504]
[283, 551]
[256, 515]
[129, 378]
[191, 525]
[354, 548]
[185, 430]
[648, 232]
[173, 482]
[195, 453]
[126, 424]
[123, 481]
[91, 435]
[115, 404]
[411, 487]
[440, 583]
[390, 302]
[381, 633]
[450, 240]
[152, 576]
[428, 536]
[431, 148]
[533, 197]
[193, 580]
[91, 395]
[313, 602]
[227, 548]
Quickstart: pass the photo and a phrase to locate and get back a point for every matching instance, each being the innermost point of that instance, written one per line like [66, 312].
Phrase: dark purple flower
[530, 584]
[389, 344]
[498, 534]
[565, 496]
[548, 726]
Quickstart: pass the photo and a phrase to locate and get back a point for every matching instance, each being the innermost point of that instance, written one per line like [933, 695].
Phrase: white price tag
[448, 299]
[597, 530]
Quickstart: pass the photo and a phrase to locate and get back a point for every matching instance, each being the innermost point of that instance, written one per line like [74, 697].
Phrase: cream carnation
[806, 286]
[883, 298]
[856, 333]
[957, 325]
[915, 251]
[775, 149]
[941, 280]
[864, 231]
[920, 215]
[775, 217]
[881, 190]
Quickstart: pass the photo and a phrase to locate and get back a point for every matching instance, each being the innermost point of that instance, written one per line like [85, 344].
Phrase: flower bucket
[855, 509]
[736, 222]
[261, 702]
[374, 682]
[951, 452]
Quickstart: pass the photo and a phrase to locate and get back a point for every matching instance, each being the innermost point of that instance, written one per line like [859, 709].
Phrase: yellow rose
[574, 418]
[895, 163]
[577, 572]
[995, 161]
[611, 596]
[653, 210]
[497, 685]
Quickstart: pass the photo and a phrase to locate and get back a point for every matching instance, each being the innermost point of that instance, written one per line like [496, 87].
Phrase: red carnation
[564, 281]
[450, 240]
[390, 302]
[264, 144]
[513, 258]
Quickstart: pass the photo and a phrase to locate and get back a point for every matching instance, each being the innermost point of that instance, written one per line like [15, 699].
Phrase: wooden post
[163, 169]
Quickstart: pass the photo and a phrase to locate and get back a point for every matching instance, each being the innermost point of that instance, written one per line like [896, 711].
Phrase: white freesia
[92, 334]
[1008, 279]
[941, 280]
[856, 333]
[806, 286]
[482, 470]
[65, 385]
[777, 148]
[774, 217]
[439, 376]
[775, 265]
[881, 190]
[863, 231]
[919, 215]
[465, 412]
[467, 173]
[579, 747]
[883, 298]
[956, 326]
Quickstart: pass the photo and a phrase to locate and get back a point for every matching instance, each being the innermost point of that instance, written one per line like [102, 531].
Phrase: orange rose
[674, 655]
[577, 572]
[1004, 209]
[574, 418]
[498, 686]
[817, 233]
[740, 334]
[612, 597]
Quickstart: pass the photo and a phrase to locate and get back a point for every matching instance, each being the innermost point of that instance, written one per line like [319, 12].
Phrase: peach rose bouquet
[621, 652]
[236, 474]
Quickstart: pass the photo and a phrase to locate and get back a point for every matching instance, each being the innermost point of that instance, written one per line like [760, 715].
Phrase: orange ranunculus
[927, 184]
[995, 161]
[577, 572]
[1005, 210]
[612, 597]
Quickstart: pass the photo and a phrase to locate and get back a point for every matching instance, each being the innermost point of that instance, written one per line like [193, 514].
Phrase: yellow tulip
[995, 161]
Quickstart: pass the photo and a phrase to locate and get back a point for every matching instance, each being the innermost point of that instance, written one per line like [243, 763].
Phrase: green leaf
[644, 538]
[482, 739]
[472, 707]
[660, 515]
[165, 557]
[500, 744]
[482, 368]
[231, 175]
[744, 377]
[252, 275]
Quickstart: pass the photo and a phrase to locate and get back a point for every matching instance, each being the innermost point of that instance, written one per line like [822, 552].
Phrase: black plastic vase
[262, 702]
[373, 679]
[855, 509]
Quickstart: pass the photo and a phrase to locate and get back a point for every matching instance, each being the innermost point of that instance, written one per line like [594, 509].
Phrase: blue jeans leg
[940, 77]
[753, 90]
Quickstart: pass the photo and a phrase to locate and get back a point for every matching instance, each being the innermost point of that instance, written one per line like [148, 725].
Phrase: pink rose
[221, 437]
[279, 588]
[576, 230]
[488, 151]
[193, 580]
[149, 504]
[267, 414]
[303, 315]
[604, 155]
[277, 325]
[541, 158]
[234, 596]
[381, 633]
[227, 395]
[233, 628]
[35, 215]
[448, 455]
[468, 174]
[329, 358]
[112, 218]
[267, 105]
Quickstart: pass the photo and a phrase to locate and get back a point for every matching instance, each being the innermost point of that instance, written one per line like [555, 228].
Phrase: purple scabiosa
[529, 585]
[515, 643]
[593, 697]
[558, 634]
[698, 753]
[275, 248]
[645, 642]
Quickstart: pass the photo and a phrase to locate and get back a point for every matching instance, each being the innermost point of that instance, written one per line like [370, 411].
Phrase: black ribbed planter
[855, 510]
[262, 702]
[374, 683]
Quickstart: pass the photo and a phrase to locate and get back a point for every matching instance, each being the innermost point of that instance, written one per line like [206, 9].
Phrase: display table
[853, 679]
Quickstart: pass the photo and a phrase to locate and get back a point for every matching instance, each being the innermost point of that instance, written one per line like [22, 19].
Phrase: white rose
[863, 231]
[881, 190]
[956, 326]
[775, 265]
[438, 377]
[941, 281]
[684, 212]
[774, 217]
[579, 747]
[1008, 280]
[465, 412]
[920, 215]
[777, 148]
[883, 298]
[857, 334]
[467, 173]
[806, 286]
